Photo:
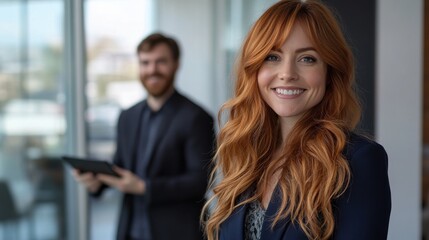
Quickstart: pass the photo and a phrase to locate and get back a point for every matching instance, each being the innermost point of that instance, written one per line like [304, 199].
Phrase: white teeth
[289, 92]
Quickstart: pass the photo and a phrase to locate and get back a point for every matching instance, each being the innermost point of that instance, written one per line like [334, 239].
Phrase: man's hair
[153, 40]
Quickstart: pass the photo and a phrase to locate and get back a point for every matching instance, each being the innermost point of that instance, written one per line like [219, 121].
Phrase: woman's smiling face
[292, 79]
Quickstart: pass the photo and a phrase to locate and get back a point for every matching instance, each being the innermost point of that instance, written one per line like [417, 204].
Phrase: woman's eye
[272, 58]
[308, 59]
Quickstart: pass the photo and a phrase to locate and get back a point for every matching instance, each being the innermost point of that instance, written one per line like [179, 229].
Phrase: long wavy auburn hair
[314, 170]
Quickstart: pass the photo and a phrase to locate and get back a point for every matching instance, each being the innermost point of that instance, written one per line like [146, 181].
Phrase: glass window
[239, 17]
[114, 28]
[32, 122]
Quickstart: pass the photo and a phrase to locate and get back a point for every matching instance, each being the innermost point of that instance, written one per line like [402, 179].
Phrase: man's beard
[161, 87]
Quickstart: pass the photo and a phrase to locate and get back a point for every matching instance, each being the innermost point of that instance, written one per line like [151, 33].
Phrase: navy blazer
[177, 170]
[362, 212]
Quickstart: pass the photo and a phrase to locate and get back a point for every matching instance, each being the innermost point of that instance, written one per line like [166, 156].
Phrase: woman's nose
[287, 72]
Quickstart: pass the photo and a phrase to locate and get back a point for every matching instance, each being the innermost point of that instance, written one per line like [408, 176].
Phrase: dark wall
[357, 19]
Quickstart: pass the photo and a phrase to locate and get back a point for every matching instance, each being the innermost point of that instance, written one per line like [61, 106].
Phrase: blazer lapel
[135, 128]
[278, 231]
[233, 227]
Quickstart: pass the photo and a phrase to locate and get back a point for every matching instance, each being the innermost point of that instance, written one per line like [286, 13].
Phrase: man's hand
[127, 183]
[87, 179]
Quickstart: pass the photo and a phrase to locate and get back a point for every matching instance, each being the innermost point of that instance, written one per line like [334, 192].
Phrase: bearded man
[164, 149]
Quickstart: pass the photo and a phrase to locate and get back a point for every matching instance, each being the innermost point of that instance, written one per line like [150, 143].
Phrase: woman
[291, 165]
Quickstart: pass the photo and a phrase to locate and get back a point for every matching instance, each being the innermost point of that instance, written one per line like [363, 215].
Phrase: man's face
[157, 70]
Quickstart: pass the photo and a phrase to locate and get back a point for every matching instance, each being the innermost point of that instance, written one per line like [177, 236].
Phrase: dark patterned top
[254, 219]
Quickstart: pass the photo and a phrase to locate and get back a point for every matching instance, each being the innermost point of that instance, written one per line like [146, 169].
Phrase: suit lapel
[135, 129]
[268, 232]
[233, 227]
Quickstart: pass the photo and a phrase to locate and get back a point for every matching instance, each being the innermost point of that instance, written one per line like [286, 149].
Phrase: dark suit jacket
[177, 171]
[361, 213]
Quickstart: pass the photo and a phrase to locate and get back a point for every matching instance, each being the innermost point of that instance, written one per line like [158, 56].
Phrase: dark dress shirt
[149, 126]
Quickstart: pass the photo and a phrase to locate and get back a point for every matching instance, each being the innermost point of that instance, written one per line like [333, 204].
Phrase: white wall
[398, 108]
[191, 23]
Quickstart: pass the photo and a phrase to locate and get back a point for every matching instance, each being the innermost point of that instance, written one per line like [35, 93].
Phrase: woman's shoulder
[358, 142]
[364, 208]
[362, 151]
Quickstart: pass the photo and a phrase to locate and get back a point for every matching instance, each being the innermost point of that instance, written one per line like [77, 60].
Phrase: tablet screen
[89, 165]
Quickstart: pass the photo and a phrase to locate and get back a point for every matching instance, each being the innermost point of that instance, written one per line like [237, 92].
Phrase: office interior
[68, 67]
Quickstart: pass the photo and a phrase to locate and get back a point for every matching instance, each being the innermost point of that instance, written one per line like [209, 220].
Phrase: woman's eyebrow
[300, 50]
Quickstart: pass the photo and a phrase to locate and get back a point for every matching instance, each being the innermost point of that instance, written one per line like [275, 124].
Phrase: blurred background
[68, 67]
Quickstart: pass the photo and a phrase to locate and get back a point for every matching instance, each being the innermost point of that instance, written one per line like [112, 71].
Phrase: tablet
[88, 165]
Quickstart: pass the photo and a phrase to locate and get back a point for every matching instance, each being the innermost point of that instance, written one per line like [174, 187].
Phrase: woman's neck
[286, 126]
